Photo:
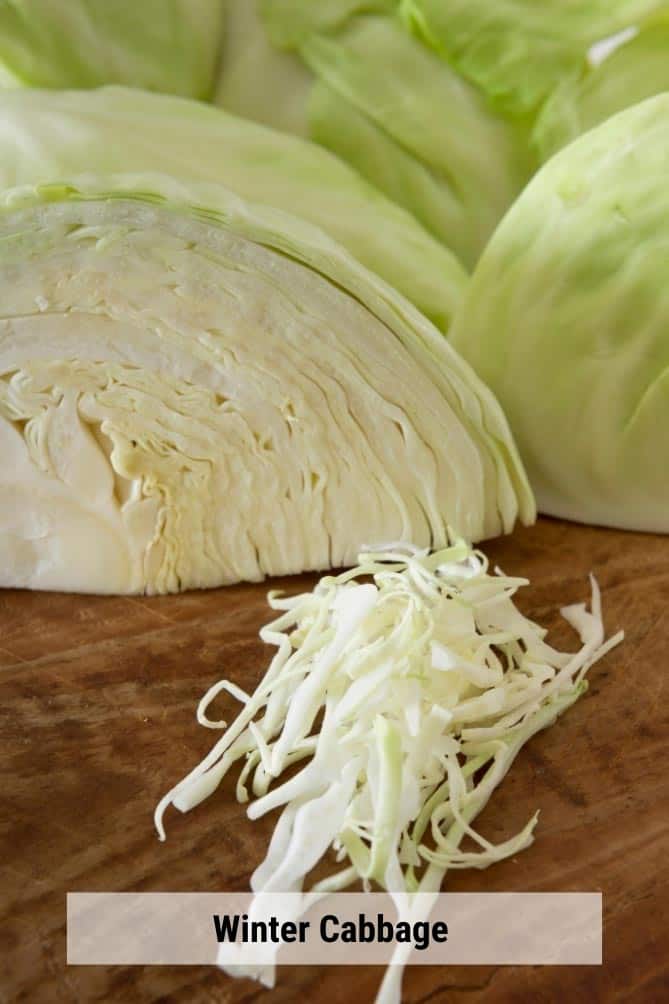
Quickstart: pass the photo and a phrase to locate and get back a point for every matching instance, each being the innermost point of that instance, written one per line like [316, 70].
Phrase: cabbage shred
[408, 684]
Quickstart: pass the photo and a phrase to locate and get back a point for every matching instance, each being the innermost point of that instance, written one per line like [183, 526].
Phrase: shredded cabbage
[429, 681]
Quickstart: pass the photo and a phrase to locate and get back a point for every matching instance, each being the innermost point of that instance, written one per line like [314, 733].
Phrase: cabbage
[279, 95]
[399, 696]
[567, 316]
[291, 22]
[196, 388]
[517, 51]
[635, 70]
[162, 45]
[50, 136]
[421, 134]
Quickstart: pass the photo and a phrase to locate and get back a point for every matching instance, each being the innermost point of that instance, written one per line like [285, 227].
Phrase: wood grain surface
[97, 703]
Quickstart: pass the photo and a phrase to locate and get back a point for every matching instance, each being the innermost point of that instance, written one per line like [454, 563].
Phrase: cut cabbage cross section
[196, 391]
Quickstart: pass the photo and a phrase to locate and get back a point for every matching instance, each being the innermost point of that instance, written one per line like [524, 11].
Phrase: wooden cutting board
[97, 698]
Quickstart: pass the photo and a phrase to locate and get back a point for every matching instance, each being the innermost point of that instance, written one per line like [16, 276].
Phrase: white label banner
[240, 929]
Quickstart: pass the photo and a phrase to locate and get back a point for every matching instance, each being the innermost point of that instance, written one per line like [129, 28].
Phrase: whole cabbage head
[567, 319]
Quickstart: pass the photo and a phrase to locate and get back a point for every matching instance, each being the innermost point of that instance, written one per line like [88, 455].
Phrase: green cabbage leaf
[634, 71]
[517, 51]
[352, 78]
[169, 46]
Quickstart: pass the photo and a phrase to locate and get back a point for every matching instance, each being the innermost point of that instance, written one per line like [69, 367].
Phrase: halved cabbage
[567, 319]
[196, 389]
[164, 45]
